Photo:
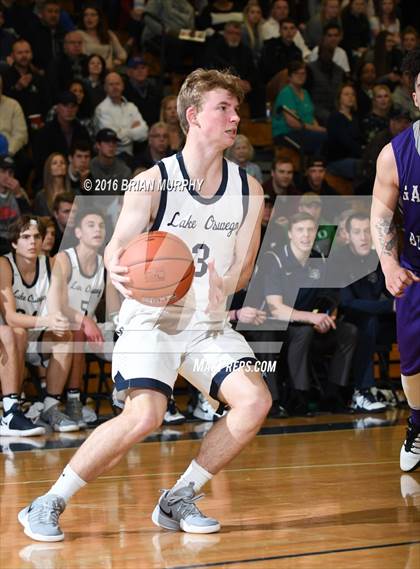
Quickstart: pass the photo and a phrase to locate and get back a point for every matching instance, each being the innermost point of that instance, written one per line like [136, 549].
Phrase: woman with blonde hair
[169, 115]
[55, 182]
[252, 29]
[329, 13]
[242, 152]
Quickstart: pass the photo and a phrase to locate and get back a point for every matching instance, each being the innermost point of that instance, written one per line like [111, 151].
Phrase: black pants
[304, 343]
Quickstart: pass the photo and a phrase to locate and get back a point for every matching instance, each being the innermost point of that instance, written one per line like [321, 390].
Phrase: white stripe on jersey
[84, 292]
[31, 298]
[208, 226]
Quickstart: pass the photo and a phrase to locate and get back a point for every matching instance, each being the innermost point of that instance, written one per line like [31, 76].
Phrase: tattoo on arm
[386, 232]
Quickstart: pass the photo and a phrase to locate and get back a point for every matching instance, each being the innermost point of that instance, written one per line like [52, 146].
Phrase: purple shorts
[408, 329]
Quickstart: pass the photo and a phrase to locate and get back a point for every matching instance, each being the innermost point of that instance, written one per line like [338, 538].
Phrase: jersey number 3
[201, 253]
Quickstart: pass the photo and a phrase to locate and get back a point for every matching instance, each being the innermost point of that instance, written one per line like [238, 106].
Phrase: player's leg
[105, 447]
[73, 403]
[59, 350]
[410, 451]
[13, 422]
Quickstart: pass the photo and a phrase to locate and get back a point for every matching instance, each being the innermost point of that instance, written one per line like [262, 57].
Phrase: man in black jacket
[278, 52]
[67, 66]
[142, 90]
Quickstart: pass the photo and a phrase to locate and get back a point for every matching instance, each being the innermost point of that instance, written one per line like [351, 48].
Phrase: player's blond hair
[200, 82]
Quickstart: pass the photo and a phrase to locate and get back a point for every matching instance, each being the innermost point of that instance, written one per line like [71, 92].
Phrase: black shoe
[15, 424]
[277, 411]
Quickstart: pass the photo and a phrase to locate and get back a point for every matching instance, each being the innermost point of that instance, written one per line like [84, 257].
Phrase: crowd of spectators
[88, 97]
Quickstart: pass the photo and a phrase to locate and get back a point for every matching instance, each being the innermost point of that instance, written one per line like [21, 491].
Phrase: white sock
[67, 485]
[50, 402]
[9, 401]
[194, 473]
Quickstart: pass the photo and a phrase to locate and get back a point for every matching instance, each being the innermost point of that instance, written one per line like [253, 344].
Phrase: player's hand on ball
[216, 290]
[250, 315]
[118, 274]
[399, 279]
[92, 332]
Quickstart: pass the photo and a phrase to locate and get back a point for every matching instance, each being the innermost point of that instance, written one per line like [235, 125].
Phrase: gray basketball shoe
[58, 421]
[177, 510]
[40, 519]
[74, 411]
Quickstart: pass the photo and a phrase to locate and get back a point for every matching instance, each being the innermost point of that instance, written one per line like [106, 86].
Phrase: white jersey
[209, 226]
[31, 298]
[84, 291]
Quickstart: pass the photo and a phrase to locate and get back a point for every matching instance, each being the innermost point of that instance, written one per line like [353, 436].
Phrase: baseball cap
[316, 162]
[106, 135]
[310, 198]
[133, 62]
[66, 98]
[399, 113]
[7, 163]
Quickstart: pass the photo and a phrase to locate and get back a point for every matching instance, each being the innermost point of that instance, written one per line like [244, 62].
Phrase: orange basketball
[160, 267]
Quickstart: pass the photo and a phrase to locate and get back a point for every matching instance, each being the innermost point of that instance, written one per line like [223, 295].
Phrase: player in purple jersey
[398, 180]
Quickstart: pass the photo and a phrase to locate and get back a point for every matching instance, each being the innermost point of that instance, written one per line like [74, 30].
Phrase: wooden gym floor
[320, 492]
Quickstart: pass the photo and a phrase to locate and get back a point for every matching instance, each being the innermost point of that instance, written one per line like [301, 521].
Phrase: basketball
[160, 267]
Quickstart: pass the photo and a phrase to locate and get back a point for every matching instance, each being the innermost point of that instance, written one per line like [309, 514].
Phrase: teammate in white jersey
[208, 109]
[24, 285]
[79, 275]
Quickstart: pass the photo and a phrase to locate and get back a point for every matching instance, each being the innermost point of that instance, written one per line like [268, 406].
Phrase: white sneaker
[385, 396]
[173, 416]
[89, 415]
[410, 451]
[204, 411]
[363, 401]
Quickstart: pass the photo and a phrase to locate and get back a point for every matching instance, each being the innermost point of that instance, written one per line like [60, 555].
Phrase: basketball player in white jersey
[24, 284]
[221, 226]
[79, 275]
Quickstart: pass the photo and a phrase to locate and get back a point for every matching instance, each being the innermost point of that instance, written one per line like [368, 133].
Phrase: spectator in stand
[94, 72]
[271, 28]
[402, 97]
[59, 134]
[64, 211]
[409, 39]
[156, 149]
[218, 13]
[252, 29]
[67, 66]
[314, 181]
[116, 113]
[54, 182]
[399, 120]
[12, 123]
[7, 39]
[106, 165]
[344, 147]
[324, 81]
[85, 108]
[329, 13]
[387, 59]
[45, 34]
[356, 30]
[278, 52]
[227, 52]
[98, 39]
[365, 82]
[312, 203]
[378, 118]
[165, 19]
[281, 182]
[363, 302]
[331, 37]
[142, 90]
[24, 83]
[13, 200]
[169, 115]
[79, 166]
[242, 152]
[294, 113]
[49, 238]
[386, 20]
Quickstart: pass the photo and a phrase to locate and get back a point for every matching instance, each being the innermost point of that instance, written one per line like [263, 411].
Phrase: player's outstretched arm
[139, 208]
[384, 231]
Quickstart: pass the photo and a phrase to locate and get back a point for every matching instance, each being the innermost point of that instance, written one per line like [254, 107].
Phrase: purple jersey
[406, 148]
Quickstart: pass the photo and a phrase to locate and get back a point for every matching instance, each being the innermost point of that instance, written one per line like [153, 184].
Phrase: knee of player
[256, 402]
[7, 337]
[142, 424]
[21, 336]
